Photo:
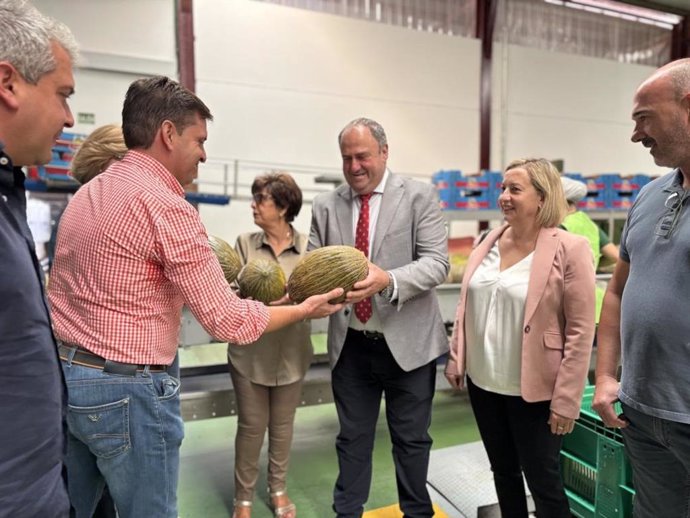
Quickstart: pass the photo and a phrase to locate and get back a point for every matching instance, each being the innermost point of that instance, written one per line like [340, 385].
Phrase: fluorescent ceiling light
[620, 10]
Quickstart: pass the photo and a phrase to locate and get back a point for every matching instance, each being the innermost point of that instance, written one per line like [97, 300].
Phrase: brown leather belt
[80, 356]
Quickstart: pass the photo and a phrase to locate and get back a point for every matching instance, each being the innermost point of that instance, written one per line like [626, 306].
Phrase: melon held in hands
[228, 258]
[262, 280]
[325, 269]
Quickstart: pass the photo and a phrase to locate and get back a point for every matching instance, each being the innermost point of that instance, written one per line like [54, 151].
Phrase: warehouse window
[602, 29]
[452, 17]
[598, 28]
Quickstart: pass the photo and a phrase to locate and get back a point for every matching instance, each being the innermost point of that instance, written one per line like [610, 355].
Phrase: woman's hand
[457, 381]
[560, 425]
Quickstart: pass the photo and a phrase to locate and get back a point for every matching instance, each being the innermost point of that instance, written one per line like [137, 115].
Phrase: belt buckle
[373, 335]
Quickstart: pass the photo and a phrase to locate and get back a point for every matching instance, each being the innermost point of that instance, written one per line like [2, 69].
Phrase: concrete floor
[206, 481]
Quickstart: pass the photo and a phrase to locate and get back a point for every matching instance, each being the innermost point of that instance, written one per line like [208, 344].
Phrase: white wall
[282, 82]
[120, 41]
[288, 79]
[563, 106]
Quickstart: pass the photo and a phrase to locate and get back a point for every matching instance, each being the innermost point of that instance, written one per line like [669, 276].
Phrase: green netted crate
[596, 472]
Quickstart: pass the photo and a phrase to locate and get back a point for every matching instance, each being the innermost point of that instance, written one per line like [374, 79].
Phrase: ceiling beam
[680, 40]
[484, 31]
[185, 43]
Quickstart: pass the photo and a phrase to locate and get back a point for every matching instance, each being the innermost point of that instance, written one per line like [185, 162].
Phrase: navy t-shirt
[32, 389]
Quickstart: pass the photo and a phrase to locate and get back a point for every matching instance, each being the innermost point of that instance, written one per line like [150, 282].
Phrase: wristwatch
[387, 292]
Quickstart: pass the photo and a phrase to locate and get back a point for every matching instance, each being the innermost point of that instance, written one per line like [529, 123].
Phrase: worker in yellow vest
[579, 222]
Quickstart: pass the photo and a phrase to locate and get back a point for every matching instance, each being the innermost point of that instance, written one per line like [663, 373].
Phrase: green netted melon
[262, 280]
[325, 269]
[228, 258]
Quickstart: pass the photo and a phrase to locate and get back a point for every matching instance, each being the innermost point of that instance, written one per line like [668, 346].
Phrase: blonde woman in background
[101, 148]
[523, 336]
[267, 376]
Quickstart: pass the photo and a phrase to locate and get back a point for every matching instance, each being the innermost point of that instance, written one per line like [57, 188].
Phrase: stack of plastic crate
[596, 471]
[445, 182]
[597, 191]
[478, 192]
[57, 170]
[623, 190]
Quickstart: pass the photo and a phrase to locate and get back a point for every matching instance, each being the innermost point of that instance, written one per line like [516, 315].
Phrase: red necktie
[363, 308]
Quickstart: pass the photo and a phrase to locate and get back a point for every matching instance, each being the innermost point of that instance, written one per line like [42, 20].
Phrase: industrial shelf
[491, 215]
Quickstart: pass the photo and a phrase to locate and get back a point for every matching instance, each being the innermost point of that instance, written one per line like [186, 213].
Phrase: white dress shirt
[493, 323]
[374, 323]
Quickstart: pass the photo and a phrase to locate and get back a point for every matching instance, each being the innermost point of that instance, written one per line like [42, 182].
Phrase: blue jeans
[125, 431]
[659, 452]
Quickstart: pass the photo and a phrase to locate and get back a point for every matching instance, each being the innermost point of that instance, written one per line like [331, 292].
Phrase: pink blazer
[558, 329]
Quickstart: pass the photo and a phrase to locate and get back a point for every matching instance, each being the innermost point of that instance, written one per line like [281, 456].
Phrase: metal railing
[234, 177]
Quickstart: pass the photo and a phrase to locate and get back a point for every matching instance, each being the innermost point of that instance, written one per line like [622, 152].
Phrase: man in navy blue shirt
[36, 59]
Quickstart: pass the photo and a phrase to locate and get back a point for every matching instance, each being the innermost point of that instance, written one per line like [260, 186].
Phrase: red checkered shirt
[130, 252]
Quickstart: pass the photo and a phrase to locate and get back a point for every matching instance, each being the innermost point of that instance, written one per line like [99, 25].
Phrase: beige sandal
[240, 503]
[285, 511]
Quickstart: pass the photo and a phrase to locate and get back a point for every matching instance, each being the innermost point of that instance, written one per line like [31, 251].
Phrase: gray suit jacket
[410, 241]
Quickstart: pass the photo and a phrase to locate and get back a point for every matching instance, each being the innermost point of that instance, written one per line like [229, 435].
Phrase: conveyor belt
[207, 392]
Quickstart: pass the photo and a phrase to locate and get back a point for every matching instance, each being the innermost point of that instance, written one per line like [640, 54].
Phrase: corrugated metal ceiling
[681, 7]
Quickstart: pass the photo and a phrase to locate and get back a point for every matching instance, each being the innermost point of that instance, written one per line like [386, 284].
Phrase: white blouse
[494, 317]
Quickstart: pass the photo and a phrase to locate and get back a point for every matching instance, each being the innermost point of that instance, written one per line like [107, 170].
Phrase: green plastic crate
[596, 472]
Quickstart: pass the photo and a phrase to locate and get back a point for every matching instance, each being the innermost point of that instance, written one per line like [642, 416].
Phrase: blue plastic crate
[597, 197]
[447, 197]
[445, 178]
[477, 192]
[623, 190]
[474, 200]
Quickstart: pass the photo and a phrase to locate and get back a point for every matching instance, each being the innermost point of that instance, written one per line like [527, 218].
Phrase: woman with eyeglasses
[523, 336]
[267, 375]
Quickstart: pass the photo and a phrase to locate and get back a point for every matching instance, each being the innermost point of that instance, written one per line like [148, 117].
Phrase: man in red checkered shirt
[130, 252]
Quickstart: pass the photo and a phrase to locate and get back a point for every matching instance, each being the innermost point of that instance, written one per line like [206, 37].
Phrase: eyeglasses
[669, 221]
[260, 197]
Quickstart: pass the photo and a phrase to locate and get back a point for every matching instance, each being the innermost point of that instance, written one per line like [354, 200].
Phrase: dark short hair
[283, 189]
[151, 101]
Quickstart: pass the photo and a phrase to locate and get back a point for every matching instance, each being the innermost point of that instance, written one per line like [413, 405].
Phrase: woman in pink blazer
[523, 336]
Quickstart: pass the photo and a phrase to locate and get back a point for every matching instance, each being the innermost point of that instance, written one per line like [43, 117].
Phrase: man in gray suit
[390, 342]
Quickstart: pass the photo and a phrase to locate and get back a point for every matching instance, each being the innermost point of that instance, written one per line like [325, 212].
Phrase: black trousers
[365, 370]
[518, 440]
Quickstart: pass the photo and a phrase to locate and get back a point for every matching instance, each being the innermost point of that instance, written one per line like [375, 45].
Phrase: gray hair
[26, 38]
[375, 128]
[678, 72]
